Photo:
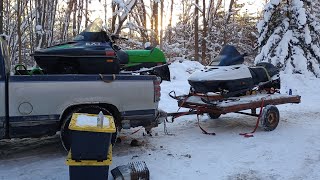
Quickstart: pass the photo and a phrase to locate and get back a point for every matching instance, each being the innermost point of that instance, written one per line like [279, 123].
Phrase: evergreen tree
[289, 37]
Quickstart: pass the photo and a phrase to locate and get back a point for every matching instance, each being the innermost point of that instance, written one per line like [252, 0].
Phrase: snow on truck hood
[220, 73]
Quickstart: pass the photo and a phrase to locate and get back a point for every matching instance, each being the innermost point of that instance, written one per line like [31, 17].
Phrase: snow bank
[180, 71]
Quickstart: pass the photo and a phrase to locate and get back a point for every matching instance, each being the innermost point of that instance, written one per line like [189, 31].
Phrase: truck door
[3, 69]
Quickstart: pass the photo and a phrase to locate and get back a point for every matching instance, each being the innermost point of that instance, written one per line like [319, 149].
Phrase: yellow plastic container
[107, 162]
[89, 141]
[89, 169]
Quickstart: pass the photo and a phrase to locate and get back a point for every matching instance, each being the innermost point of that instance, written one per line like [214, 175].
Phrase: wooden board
[236, 104]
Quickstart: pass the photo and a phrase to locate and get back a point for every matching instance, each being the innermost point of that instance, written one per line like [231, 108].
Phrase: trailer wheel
[270, 118]
[214, 115]
[65, 133]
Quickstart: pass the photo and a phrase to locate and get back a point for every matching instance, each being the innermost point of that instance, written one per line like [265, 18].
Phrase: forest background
[195, 29]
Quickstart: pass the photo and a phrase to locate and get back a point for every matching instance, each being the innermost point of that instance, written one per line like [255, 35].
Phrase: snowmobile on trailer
[231, 78]
[94, 51]
[233, 87]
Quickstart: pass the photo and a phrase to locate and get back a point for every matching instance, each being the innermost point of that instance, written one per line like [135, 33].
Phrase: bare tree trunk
[156, 24]
[43, 22]
[144, 22]
[114, 17]
[38, 22]
[204, 33]
[130, 31]
[7, 21]
[225, 38]
[170, 23]
[66, 22]
[87, 13]
[229, 11]
[60, 26]
[183, 20]
[140, 17]
[1, 17]
[151, 20]
[196, 32]
[74, 19]
[105, 12]
[52, 21]
[161, 24]
[19, 31]
[30, 23]
[79, 16]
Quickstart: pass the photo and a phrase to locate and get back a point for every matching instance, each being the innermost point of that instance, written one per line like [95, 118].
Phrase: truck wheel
[214, 116]
[270, 118]
[65, 133]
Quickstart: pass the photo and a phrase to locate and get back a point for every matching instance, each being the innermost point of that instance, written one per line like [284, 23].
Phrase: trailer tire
[65, 133]
[214, 115]
[270, 117]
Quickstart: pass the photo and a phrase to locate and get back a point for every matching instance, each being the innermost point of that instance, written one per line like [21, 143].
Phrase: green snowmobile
[149, 61]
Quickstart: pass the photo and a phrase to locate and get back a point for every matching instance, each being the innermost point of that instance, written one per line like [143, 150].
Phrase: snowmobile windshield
[95, 26]
[228, 56]
[217, 60]
[93, 33]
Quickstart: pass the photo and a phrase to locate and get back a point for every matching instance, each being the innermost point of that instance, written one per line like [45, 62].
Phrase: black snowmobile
[231, 78]
[93, 51]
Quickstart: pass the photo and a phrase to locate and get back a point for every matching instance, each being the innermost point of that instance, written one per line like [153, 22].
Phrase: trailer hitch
[173, 95]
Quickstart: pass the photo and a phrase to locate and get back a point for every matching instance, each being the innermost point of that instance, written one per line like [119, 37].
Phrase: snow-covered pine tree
[316, 8]
[289, 37]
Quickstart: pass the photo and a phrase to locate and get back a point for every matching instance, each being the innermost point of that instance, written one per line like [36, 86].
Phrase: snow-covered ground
[292, 151]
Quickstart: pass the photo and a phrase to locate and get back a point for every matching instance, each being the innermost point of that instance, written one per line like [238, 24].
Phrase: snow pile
[180, 71]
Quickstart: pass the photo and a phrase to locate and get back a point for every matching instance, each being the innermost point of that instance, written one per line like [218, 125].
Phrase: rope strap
[107, 81]
[202, 129]
[247, 135]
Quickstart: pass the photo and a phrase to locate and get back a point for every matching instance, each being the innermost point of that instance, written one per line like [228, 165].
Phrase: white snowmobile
[231, 78]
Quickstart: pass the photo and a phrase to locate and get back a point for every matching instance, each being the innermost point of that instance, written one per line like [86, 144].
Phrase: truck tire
[270, 118]
[65, 133]
[214, 116]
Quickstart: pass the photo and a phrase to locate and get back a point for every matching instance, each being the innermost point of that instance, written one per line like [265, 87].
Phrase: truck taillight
[110, 53]
[157, 89]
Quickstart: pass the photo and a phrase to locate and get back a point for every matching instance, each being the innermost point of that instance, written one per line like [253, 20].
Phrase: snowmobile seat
[149, 48]
[272, 70]
[262, 72]
[259, 74]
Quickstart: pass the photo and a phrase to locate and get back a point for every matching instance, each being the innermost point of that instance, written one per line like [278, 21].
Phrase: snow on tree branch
[121, 10]
[289, 37]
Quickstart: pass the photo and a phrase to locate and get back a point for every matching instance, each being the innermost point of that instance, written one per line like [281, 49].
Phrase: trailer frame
[215, 105]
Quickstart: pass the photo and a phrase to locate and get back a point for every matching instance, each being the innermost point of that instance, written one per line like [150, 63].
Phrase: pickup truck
[37, 105]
